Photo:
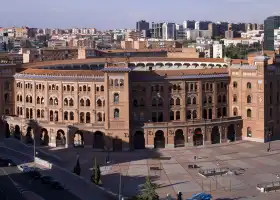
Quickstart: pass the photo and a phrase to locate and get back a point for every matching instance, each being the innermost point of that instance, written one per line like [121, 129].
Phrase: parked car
[56, 185]
[35, 174]
[25, 168]
[4, 162]
[46, 179]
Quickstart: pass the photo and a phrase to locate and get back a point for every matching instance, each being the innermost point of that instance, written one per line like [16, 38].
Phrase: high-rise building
[169, 31]
[270, 24]
[156, 30]
[187, 24]
[142, 25]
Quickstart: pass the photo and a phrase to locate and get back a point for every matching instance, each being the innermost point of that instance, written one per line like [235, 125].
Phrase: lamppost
[268, 133]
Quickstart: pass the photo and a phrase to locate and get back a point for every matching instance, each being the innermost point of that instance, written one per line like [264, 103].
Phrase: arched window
[87, 117]
[235, 84]
[82, 102]
[80, 88]
[27, 99]
[65, 102]
[20, 98]
[209, 99]
[116, 82]
[194, 100]
[72, 88]
[42, 113]
[88, 89]
[249, 131]
[99, 117]
[189, 101]
[82, 117]
[71, 102]
[194, 114]
[99, 103]
[55, 101]
[219, 99]
[72, 116]
[235, 112]
[249, 113]
[178, 102]
[116, 113]
[121, 82]
[84, 88]
[189, 114]
[65, 115]
[51, 115]
[87, 102]
[68, 88]
[171, 102]
[102, 88]
[42, 100]
[249, 99]
[116, 97]
[154, 102]
[38, 113]
[234, 98]
[224, 98]
[249, 85]
[111, 83]
[51, 101]
[178, 115]
[56, 87]
[38, 100]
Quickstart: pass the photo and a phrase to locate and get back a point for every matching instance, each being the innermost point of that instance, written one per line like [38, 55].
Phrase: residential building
[156, 30]
[229, 34]
[217, 50]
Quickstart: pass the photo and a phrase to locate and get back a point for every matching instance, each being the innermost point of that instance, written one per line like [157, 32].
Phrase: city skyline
[61, 14]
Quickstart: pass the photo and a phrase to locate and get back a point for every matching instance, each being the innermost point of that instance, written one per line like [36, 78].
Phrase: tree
[96, 173]
[77, 168]
[148, 191]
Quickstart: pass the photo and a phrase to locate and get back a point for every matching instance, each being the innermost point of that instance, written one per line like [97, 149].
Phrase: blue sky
[109, 14]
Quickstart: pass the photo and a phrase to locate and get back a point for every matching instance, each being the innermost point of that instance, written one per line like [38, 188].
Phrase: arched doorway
[159, 140]
[98, 140]
[78, 140]
[29, 135]
[45, 138]
[17, 132]
[117, 144]
[60, 138]
[215, 135]
[231, 133]
[7, 130]
[179, 139]
[139, 140]
[197, 137]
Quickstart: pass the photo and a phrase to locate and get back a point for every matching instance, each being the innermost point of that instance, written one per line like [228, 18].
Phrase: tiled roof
[63, 72]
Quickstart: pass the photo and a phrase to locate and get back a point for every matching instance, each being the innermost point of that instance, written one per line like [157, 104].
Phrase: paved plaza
[260, 167]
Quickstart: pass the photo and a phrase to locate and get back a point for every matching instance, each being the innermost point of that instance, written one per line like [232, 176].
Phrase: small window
[116, 113]
[116, 98]
[249, 113]
[249, 99]
[249, 131]
[249, 85]
[235, 84]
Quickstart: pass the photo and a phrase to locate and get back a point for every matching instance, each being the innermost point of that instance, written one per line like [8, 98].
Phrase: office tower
[169, 31]
[270, 24]
[142, 25]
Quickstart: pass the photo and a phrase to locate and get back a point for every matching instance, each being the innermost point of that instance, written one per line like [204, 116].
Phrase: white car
[25, 168]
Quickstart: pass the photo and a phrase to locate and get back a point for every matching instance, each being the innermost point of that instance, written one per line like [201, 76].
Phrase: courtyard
[170, 168]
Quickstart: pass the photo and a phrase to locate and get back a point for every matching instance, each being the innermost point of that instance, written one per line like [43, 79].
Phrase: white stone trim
[253, 139]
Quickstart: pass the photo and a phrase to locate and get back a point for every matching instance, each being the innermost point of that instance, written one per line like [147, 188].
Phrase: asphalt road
[36, 186]
[9, 188]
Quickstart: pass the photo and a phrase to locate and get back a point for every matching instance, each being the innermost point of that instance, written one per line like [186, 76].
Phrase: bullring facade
[122, 104]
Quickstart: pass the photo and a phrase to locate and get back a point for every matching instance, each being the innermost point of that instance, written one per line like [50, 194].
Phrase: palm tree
[148, 191]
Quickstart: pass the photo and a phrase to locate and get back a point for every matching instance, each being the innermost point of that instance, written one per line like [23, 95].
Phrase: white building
[277, 38]
[243, 41]
[197, 25]
[169, 31]
[217, 50]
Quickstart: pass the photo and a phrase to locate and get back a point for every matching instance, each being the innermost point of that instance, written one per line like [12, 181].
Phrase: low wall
[43, 163]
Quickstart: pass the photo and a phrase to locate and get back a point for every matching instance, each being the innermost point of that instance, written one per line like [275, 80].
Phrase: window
[194, 114]
[116, 98]
[224, 98]
[99, 103]
[249, 132]
[87, 117]
[235, 98]
[209, 99]
[82, 117]
[189, 101]
[235, 84]
[82, 102]
[65, 102]
[235, 112]
[219, 99]
[249, 113]
[116, 113]
[249, 85]
[177, 115]
[194, 101]
[224, 111]
[99, 117]
[189, 114]
[65, 115]
[171, 115]
[87, 102]
[249, 99]
[72, 116]
[71, 102]
[178, 102]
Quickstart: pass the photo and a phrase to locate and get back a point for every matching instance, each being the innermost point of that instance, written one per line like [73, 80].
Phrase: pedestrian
[179, 196]
[169, 197]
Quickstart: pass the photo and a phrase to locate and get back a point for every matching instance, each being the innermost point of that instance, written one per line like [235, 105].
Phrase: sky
[111, 14]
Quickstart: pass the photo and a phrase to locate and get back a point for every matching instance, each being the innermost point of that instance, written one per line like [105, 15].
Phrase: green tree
[77, 168]
[148, 191]
[96, 173]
